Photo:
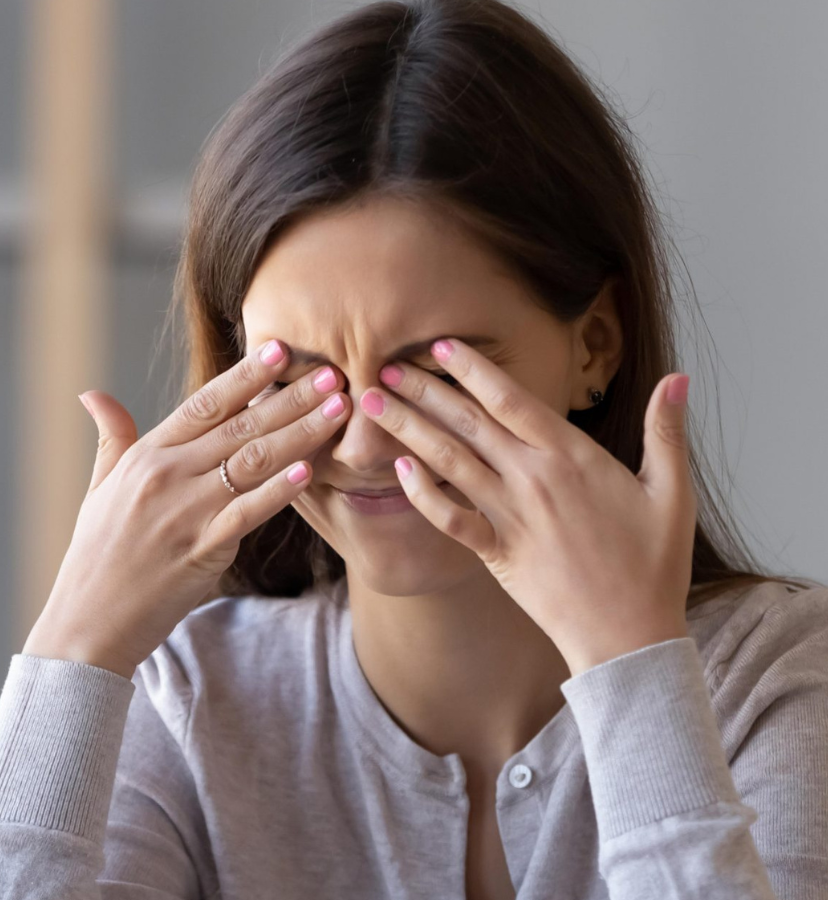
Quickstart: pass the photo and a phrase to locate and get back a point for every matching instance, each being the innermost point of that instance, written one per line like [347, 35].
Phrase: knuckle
[567, 468]
[506, 403]
[254, 456]
[242, 427]
[153, 477]
[453, 522]
[239, 517]
[203, 405]
[445, 456]
[672, 434]
[398, 423]
[246, 371]
[178, 542]
[467, 423]
[418, 390]
[299, 401]
[236, 518]
[105, 441]
[540, 489]
[463, 367]
[309, 426]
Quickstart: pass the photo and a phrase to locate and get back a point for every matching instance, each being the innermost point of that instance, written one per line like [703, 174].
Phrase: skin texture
[452, 657]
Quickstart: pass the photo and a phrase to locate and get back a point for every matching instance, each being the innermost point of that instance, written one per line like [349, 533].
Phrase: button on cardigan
[249, 757]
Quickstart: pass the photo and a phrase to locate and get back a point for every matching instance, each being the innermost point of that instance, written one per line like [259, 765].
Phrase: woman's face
[354, 286]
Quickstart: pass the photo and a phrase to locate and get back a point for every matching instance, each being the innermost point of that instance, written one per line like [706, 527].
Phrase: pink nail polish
[372, 403]
[325, 380]
[332, 407]
[297, 473]
[677, 389]
[391, 375]
[271, 353]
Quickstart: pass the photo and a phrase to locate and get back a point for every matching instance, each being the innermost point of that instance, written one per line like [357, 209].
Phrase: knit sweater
[249, 757]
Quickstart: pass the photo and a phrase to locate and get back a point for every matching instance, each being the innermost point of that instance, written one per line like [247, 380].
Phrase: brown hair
[470, 107]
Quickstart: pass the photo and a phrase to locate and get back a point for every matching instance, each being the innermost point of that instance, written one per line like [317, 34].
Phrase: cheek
[315, 508]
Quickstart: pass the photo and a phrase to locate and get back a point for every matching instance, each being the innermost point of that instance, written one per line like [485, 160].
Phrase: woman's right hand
[158, 527]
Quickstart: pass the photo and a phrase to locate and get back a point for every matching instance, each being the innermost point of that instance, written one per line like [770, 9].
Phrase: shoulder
[760, 645]
[242, 654]
[753, 626]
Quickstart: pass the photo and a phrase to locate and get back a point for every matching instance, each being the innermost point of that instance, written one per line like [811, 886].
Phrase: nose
[362, 444]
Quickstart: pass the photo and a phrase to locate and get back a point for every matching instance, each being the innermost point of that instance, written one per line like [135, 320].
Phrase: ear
[600, 339]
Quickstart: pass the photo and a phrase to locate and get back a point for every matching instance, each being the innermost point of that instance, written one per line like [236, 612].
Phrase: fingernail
[325, 380]
[677, 389]
[271, 353]
[391, 375]
[332, 407]
[297, 473]
[86, 405]
[372, 403]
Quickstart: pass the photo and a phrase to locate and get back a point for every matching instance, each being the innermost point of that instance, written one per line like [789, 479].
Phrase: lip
[380, 493]
[379, 504]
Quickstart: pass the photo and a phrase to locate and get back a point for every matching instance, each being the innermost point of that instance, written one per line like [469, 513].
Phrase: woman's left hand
[600, 558]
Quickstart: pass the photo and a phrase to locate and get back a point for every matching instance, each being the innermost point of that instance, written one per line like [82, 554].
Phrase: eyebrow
[416, 348]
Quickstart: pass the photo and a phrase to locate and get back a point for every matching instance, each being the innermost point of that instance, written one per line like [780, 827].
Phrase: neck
[461, 670]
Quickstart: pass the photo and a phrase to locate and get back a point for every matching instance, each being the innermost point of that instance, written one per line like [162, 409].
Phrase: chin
[391, 561]
[403, 574]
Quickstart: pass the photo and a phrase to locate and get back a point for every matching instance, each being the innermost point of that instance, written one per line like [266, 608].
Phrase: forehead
[385, 268]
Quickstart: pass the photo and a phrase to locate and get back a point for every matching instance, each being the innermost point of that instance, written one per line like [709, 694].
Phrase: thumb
[116, 432]
[666, 466]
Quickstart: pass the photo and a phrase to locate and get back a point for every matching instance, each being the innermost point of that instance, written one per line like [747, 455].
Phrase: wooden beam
[64, 329]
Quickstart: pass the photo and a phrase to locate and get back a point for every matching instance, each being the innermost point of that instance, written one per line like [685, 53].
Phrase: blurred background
[105, 104]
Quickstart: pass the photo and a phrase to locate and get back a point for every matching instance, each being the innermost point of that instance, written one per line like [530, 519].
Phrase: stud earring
[595, 395]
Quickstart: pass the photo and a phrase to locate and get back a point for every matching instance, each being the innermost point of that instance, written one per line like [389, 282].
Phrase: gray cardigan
[248, 757]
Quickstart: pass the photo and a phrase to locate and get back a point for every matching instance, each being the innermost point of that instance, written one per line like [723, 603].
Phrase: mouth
[386, 492]
[382, 503]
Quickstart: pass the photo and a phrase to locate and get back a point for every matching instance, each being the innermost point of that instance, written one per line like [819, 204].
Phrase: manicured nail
[89, 409]
[372, 403]
[442, 349]
[332, 407]
[271, 353]
[297, 473]
[325, 380]
[403, 467]
[391, 375]
[677, 389]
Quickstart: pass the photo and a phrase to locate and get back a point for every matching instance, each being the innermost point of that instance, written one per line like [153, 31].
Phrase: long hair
[472, 108]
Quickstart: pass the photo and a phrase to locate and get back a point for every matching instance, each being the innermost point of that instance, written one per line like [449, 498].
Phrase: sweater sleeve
[96, 800]
[672, 823]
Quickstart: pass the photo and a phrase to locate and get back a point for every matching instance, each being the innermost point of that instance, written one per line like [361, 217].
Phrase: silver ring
[224, 478]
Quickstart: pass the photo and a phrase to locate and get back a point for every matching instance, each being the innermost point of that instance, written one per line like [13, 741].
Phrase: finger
[263, 422]
[459, 414]
[247, 511]
[467, 526]
[221, 397]
[260, 458]
[508, 402]
[444, 453]
[117, 432]
[665, 467]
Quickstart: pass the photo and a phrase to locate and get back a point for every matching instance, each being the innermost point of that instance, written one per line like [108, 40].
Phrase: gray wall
[729, 100]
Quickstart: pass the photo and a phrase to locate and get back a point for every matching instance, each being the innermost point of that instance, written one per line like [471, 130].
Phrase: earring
[595, 395]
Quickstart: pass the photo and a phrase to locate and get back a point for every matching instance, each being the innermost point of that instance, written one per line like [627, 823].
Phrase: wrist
[59, 647]
[619, 645]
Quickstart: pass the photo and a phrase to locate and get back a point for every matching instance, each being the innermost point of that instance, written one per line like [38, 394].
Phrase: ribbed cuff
[61, 728]
[651, 742]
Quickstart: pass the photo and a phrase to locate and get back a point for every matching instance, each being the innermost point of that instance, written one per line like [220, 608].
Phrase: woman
[532, 668]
